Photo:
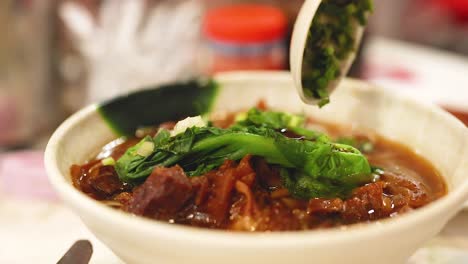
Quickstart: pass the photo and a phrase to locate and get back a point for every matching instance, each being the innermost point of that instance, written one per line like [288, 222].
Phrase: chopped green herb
[145, 149]
[331, 40]
[108, 161]
[377, 172]
[367, 147]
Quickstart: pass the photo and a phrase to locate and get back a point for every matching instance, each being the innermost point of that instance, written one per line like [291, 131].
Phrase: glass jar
[244, 37]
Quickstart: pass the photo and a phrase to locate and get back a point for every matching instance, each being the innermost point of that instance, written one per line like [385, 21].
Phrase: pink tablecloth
[22, 176]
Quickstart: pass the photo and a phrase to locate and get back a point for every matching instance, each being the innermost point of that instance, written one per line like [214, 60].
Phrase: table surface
[423, 73]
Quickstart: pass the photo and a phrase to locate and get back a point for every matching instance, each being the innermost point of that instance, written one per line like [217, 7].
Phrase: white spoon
[298, 45]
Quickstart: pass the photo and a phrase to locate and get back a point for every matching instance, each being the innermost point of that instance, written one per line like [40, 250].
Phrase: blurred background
[57, 56]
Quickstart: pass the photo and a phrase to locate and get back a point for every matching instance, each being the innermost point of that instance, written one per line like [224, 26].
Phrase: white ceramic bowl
[430, 131]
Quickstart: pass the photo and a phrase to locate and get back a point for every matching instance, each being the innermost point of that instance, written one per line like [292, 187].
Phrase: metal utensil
[79, 253]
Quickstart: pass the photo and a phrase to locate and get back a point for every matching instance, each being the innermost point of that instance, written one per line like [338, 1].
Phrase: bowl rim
[450, 203]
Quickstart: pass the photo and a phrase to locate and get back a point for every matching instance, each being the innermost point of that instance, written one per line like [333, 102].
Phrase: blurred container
[127, 45]
[437, 23]
[28, 101]
[244, 37]
[457, 12]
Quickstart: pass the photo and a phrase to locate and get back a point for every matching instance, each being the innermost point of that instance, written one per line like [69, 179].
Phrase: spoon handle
[79, 253]
[298, 42]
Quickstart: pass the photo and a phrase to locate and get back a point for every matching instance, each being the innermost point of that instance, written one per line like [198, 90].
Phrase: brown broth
[395, 157]
[248, 195]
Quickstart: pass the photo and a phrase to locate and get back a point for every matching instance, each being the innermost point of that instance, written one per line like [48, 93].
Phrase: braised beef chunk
[374, 201]
[202, 187]
[216, 191]
[405, 192]
[97, 180]
[221, 185]
[164, 192]
[123, 199]
[325, 206]
[366, 203]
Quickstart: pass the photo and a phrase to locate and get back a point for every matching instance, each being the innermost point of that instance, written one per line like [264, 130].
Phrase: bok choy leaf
[312, 168]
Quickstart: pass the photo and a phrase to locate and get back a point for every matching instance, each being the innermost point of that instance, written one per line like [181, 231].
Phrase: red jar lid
[245, 23]
[458, 8]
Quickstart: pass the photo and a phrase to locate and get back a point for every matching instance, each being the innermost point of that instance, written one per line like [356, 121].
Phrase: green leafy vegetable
[331, 40]
[277, 121]
[143, 108]
[318, 168]
[272, 119]
[302, 186]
